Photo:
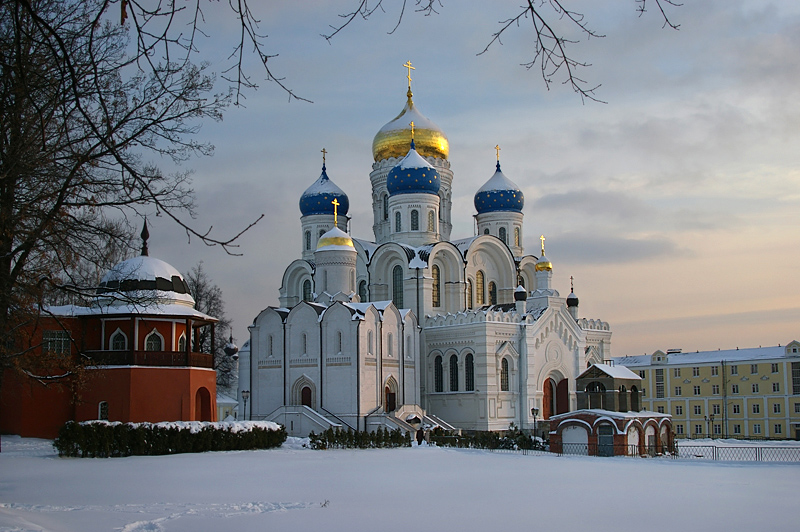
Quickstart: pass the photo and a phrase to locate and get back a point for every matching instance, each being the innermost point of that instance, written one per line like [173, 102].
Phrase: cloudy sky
[675, 205]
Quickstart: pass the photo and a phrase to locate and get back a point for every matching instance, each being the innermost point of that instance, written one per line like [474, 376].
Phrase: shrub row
[513, 438]
[103, 439]
[349, 439]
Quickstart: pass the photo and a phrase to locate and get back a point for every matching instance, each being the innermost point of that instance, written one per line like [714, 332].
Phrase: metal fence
[681, 451]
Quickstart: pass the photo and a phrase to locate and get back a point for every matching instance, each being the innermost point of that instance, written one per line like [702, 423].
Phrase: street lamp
[709, 421]
[534, 413]
[245, 396]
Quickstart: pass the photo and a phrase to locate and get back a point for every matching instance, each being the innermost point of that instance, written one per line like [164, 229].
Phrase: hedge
[349, 439]
[513, 438]
[102, 439]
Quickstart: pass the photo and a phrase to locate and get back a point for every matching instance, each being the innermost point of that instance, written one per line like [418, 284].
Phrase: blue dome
[318, 198]
[413, 175]
[499, 194]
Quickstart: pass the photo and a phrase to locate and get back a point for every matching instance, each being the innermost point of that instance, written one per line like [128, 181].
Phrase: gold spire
[410, 68]
[542, 239]
[497, 149]
[335, 211]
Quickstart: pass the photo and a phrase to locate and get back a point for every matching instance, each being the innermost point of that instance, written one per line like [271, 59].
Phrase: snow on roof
[498, 181]
[413, 160]
[464, 244]
[707, 357]
[615, 372]
[142, 268]
[223, 399]
[146, 308]
[612, 414]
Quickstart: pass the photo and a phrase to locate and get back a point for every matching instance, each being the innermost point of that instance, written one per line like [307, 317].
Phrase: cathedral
[417, 328]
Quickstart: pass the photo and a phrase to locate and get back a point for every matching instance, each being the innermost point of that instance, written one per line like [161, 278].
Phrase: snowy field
[420, 489]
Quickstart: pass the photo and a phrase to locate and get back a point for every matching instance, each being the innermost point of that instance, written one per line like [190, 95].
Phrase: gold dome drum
[394, 139]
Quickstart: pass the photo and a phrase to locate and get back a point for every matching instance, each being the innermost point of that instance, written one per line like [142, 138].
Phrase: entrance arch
[390, 395]
[305, 396]
[555, 396]
[202, 405]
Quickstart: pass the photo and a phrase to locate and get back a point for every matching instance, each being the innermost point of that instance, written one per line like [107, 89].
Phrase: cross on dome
[324, 151]
[412, 130]
[497, 149]
[410, 68]
[542, 239]
[335, 211]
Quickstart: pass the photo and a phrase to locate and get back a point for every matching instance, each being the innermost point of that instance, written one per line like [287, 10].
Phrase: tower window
[516, 236]
[431, 222]
[362, 291]
[453, 373]
[504, 375]
[308, 240]
[153, 342]
[398, 226]
[307, 290]
[436, 298]
[492, 293]
[469, 373]
[469, 293]
[502, 234]
[119, 342]
[479, 288]
[437, 374]
[385, 207]
[321, 232]
[397, 286]
[415, 220]
[486, 231]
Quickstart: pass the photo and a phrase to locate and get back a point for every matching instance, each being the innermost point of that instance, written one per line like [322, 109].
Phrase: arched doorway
[202, 405]
[562, 397]
[633, 441]
[305, 396]
[548, 398]
[555, 397]
[574, 440]
[635, 399]
[390, 395]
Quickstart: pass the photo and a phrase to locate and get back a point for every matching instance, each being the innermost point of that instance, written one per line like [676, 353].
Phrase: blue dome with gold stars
[318, 198]
[413, 175]
[499, 194]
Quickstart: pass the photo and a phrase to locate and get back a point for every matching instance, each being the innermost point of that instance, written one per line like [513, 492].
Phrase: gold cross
[412, 130]
[571, 286]
[542, 239]
[410, 68]
[497, 148]
[324, 151]
[335, 212]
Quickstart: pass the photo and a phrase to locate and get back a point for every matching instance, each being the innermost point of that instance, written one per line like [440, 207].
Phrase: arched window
[415, 220]
[154, 342]
[437, 374]
[479, 288]
[469, 373]
[453, 373]
[385, 207]
[371, 343]
[492, 293]
[305, 344]
[469, 293]
[502, 234]
[102, 410]
[339, 341]
[270, 353]
[397, 286]
[362, 291]
[321, 232]
[307, 290]
[431, 222]
[486, 231]
[504, 375]
[398, 226]
[389, 343]
[308, 240]
[182, 343]
[436, 298]
[516, 236]
[119, 342]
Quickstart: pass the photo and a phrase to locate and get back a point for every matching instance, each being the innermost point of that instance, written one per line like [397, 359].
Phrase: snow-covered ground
[421, 488]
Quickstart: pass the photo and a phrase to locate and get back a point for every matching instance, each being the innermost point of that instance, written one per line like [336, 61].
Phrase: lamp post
[534, 413]
[245, 396]
[709, 421]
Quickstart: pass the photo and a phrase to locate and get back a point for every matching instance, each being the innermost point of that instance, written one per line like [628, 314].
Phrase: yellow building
[741, 393]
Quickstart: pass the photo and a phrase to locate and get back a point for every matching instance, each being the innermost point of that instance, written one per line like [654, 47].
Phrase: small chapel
[415, 327]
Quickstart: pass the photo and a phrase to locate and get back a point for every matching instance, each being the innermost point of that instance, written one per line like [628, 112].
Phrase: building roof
[709, 357]
[615, 372]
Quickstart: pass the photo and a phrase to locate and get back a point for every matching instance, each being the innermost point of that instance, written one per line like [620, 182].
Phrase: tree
[85, 102]
[555, 28]
[208, 300]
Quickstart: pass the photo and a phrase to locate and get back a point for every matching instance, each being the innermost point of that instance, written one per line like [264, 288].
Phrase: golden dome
[544, 265]
[335, 239]
[394, 139]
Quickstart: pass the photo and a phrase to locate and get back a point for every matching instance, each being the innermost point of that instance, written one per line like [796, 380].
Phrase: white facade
[414, 324]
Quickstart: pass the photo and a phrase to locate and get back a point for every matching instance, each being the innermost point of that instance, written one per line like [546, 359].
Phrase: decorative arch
[119, 340]
[448, 259]
[182, 343]
[494, 259]
[202, 405]
[304, 392]
[154, 341]
[291, 291]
